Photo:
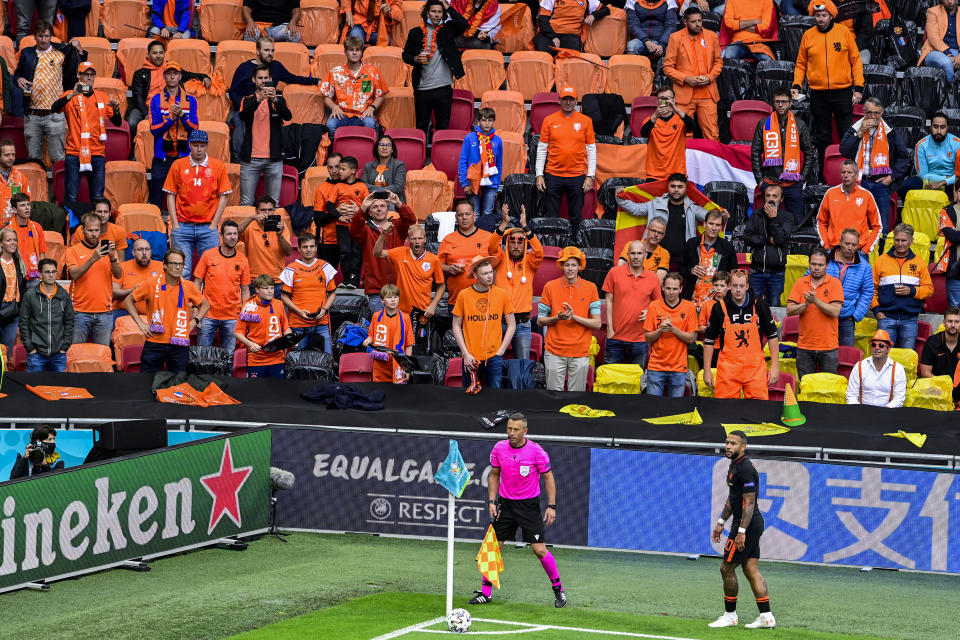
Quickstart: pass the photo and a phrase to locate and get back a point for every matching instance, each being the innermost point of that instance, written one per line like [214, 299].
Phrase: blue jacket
[651, 24]
[857, 281]
[181, 15]
[161, 121]
[470, 154]
[242, 84]
[934, 162]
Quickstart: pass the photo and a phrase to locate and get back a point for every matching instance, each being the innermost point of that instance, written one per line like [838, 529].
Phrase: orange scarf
[82, 102]
[156, 78]
[789, 158]
[380, 180]
[879, 164]
[487, 160]
[430, 44]
[179, 334]
[177, 131]
[474, 16]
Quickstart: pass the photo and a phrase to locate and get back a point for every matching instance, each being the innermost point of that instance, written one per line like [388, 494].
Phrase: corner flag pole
[453, 475]
[450, 507]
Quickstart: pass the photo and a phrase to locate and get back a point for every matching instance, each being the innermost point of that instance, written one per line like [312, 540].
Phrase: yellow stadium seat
[530, 73]
[230, 55]
[909, 359]
[608, 36]
[630, 76]
[319, 22]
[100, 54]
[428, 190]
[125, 181]
[823, 387]
[622, 379]
[397, 110]
[312, 179]
[921, 210]
[131, 54]
[797, 265]
[863, 332]
[292, 55]
[305, 103]
[511, 116]
[326, 57]
[219, 20]
[484, 71]
[123, 19]
[587, 74]
[931, 393]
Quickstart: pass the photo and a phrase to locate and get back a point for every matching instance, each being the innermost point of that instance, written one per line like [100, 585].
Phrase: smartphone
[272, 223]
[87, 89]
[268, 83]
[104, 244]
[381, 195]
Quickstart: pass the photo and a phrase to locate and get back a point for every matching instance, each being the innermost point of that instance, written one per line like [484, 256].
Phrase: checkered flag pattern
[489, 560]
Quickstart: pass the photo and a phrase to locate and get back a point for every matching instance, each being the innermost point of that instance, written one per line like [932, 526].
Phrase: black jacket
[28, 65]
[140, 88]
[22, 468]
[772, 174]
[900, 161]
[452, 29]
[46, 324]
[278, 113]
[767, 256]
[691, 258]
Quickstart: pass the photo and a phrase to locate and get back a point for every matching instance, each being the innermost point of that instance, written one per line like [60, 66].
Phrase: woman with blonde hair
[12, 285]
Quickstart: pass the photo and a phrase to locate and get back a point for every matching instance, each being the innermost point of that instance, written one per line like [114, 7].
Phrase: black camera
[40, 450]
[381, 195]
[272, 223]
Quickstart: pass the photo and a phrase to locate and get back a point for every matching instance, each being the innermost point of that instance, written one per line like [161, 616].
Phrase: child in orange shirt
[390, 328]
[721, 282]
[261, 320]
[350, 192]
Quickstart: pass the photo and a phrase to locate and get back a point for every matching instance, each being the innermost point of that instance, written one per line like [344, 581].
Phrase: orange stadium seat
[484, 71]
[586, 74]
[411, 19]
[630, 76]
[387, 60]
[428, 190]
[608, 36]
[126, 333]
[131, 54]
[514, 152]
[356, 142]
[85, 357]
[230, 55]
[124, 19]
[100, 54]
[36, 177]
[191, 54]
[411, 145]
[233, 174]
[114, 88]
[292, 55]
[210, 106]
[641, 108]
[143, 144]
[219, 134]
[530, 73]
[445, 154]
[319, 22]
[140, 216]
[7, 53]
[326, 57]
[56, 249]
[542, 105]
[312, 179]
[125, 181]
[305, 103]
[219, 20]
[356, 367]
[93, 18]
[517, 31]
[744, 116]
[511, 116]
[397, 109]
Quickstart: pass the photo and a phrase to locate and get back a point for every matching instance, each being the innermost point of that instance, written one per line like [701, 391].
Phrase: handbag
[9, 310]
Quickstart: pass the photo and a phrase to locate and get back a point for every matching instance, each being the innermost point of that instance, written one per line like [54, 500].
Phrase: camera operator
[40, 455]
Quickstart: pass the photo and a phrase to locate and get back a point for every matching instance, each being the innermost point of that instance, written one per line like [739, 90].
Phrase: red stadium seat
[744, 115]
[130, 358]
[778, 389]
[356, 367]
[118, 142]
[847, 359]
[83, 193]
[240, 363]
[19, 358]
[831, 165]
[454, 375]
[289, 186]
[790, 329]
[357, 142]
[542, 105]
[411, 145]
[461, 113]
[548, 271]
[445, 155]
[12, 129]
[536, 348]
[641, 108]
[937, 303]
[924, 331]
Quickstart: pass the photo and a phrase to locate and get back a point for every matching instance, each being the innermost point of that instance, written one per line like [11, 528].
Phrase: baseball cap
[172, 64]
[86, 66]
[198, 135]
[568, 92]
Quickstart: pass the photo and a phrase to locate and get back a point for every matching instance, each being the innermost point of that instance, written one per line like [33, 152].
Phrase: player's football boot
[726, 620]
[763, 621]
[559, 598]
[479, 598]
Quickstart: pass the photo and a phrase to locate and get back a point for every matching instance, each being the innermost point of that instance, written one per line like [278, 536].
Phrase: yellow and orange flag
[489, 560]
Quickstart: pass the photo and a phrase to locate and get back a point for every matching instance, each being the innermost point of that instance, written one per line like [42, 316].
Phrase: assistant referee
[514, 501]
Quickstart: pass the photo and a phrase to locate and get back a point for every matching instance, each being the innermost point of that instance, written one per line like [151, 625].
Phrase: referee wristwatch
[491, 502]
[552, 506]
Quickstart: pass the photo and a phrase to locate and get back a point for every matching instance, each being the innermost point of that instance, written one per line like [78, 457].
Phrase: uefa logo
[380, 508]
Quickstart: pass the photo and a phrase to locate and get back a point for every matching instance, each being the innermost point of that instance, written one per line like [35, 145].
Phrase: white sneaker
[763, 621]
[726, 620]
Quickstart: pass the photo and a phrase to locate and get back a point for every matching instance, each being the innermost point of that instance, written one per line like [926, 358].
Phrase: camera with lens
[41, 450]
[272, 223]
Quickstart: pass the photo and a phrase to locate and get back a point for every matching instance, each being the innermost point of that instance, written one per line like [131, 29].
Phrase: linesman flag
[489, 560]
[452, 474]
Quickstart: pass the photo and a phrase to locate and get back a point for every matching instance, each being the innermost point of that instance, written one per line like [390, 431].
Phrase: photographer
[40, 455]
[261, 152]
[265, 237]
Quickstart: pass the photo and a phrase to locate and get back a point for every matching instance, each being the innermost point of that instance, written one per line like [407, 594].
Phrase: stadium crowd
[234, 242]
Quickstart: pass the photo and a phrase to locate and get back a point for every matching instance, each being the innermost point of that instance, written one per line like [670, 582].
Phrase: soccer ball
[458, 621]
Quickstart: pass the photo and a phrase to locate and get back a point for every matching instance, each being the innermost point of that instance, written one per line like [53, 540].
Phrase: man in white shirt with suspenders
[878, 380]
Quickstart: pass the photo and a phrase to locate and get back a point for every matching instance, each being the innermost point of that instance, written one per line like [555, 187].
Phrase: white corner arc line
[626, 634]
[414, 627]
[532, 629]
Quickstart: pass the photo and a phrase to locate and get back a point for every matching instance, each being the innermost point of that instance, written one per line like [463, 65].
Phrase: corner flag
[452, 473]
[489, 560]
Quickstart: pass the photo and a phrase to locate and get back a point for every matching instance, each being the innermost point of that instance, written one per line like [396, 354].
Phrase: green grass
[216, 594]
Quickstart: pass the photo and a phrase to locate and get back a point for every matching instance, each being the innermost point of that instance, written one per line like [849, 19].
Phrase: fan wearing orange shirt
[666, 133]
[30, 240]
[91, 265]
[308, 292]
[671, 325]
[326, 222]
[108, 230]
[629, 289]
[175, 307]
[139, 268]
[389, 328]
[265, 237]
[371, 20]
[12, 180]
[342, 203]
[658, 258]
[223, 275]
[748, 19]
[817, 298]
[263, 319]
[460, 247]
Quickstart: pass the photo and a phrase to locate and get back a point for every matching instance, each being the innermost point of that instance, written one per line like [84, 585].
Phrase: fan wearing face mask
[40, 455]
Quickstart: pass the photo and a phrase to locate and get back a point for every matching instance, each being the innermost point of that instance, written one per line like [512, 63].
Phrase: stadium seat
[461, 112]
[233, 174]
[326, 57]
[211, 105]
[641, 108]
[484, 71]
[548, 271]
[240, 362]
[542, 105]
[735, 81]
[411, 18]
[311, 180]
[100, 54]
[731, 196]
[113, 88]
[85, 357]
[847, 359]
[411, 146]
[357, 142]
[18, 361]
[11, 129]
[356, 367]
[128, 357]
[514, 153]
[219, 134]
[191, 54]
[7, 52]
[131, 54]
[427, 191]
[36, 177]
[123, 19]
[791, 30]
[608, 37]
[219, 20]
[596, 233]
[397, 110]
[454, 375]
[117, 146]
[445, 153]
[292, 55]
[319, 22]
[143, 144]
[387, 60]
[771, 75]
[138, 216]
[924, 87]
[552, 232]
[779, 388]
[924, 331]
[289, 188]
[629, 76]
[831, 165]
[880, 81]
[909, 358]
[56, 249]
[83, 193]
[125, 181]
[921, 210]
[508, 105]
[790, 329]
[823, 387]
[937, 303]
[230, 55]
[744, 116]
[305, 103]
[909, 120]
[530, 73]
[586, 74]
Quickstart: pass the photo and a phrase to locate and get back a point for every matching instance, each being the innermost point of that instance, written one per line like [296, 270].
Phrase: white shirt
[876, 384]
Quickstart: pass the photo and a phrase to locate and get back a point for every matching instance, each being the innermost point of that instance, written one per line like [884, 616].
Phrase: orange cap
[172, 64]
[882, 336]
[572, 252]
[86, 66]
[568, 91]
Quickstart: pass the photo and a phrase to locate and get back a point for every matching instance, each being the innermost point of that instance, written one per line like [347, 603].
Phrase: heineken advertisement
[94, 517]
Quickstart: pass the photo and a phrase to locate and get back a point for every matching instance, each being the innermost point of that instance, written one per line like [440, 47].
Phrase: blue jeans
[322, 330]
[953, 292]
[787, 8]
[357, 31]
[71, 177]
[675, 380]
[267, 371]
[902, 330]
[846, 331]
[190, 237]
[767, 286]
[37, 362]
[522, 337]
[739, 51]
[484, 203]
[618, 351]
[881, 194]
[209, 330]
[491, 372]
[279, 32]
[93, 327]
[349, 121]
[8, 332]
[940, 60]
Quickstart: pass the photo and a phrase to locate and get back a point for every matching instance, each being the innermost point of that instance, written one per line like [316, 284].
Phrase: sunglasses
[877, 345]
[739, 272]
[266, 241]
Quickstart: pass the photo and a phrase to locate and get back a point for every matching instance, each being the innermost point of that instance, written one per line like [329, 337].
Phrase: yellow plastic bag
[863, 332]
[594, 350]
[787, 365]
[702, 389]
[909, 359]
[797, 265]
[931, 393]
[823, 387]
[921, 210]
[618, 378]
[583, 411]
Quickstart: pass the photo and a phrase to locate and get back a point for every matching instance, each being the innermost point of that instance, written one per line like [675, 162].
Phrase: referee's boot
[559, 598]
[764, 621]
[479, 598]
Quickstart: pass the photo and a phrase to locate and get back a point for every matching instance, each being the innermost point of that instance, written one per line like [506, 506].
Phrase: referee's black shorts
[523, 514]
[751, 547]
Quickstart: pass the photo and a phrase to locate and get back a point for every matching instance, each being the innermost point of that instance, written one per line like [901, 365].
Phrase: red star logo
[225, 486]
